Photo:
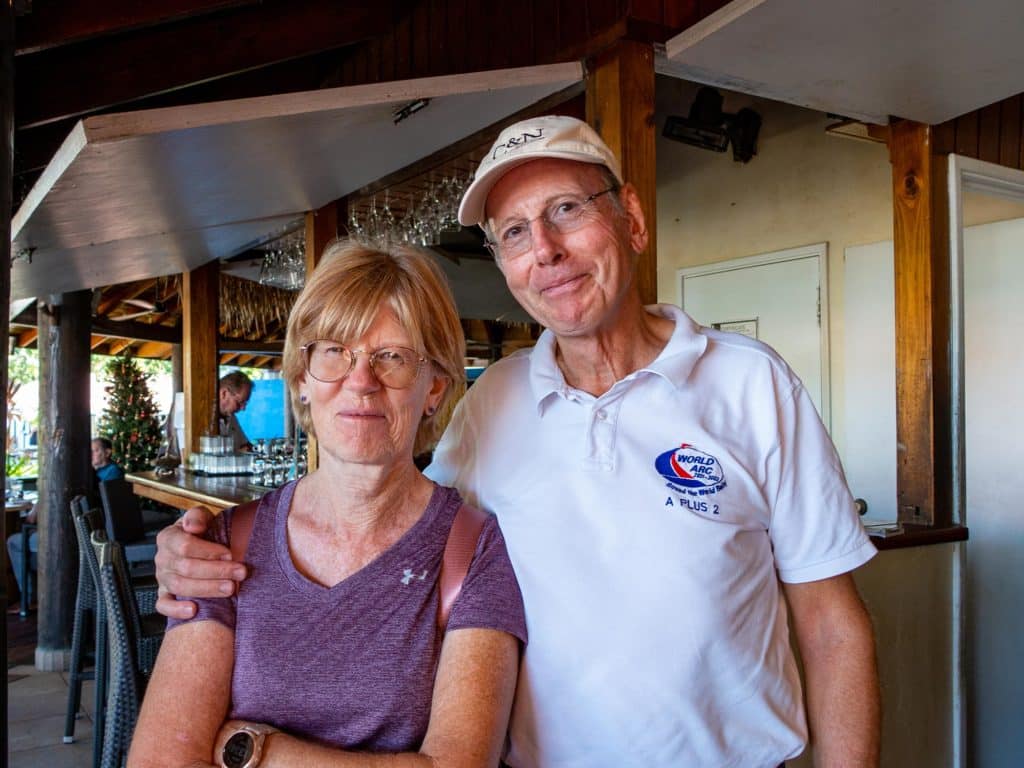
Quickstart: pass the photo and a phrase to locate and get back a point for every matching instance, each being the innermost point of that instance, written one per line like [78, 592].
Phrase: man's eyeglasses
[329, 361]
[240, 402]
[565, 214]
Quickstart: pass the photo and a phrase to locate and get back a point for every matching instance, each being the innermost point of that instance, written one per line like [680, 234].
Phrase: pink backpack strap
[458, 554]
[242, 518]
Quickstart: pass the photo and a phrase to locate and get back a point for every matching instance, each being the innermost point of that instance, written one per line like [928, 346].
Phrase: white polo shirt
[649, 528]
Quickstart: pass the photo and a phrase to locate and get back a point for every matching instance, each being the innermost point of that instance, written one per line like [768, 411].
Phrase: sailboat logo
[690, 470]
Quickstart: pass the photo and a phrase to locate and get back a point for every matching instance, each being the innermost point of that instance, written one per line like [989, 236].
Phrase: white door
[779, 298]
[994, 448]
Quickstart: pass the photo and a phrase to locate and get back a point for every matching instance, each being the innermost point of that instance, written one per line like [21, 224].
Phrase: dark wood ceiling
[76, 59]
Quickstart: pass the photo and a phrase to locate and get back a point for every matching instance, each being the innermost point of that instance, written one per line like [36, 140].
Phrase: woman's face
[358, 420]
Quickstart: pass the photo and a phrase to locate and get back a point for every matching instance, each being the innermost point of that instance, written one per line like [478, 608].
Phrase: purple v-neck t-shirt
[353, 665]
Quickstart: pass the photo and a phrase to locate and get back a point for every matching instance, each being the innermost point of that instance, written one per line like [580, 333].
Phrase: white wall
[802, 187]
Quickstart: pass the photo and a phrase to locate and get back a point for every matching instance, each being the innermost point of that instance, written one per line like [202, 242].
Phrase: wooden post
[200, 325]
[620, 107]
[65, 467]
[177, 369]
[322, 226]
[6, 184]
[924, 463]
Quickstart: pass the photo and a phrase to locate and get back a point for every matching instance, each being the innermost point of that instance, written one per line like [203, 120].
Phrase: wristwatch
[244, 747]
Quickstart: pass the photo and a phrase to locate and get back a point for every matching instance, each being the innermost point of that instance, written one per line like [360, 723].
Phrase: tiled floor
[36, 703]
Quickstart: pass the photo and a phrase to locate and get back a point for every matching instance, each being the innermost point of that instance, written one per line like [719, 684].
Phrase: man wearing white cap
[665, 491]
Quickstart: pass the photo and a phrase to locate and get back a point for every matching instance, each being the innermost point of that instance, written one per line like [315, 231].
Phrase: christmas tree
[130, 419]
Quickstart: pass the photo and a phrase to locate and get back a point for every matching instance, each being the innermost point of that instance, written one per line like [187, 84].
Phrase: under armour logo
[408, 576]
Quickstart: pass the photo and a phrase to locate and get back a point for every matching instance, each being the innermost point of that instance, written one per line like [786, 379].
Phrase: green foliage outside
[131, 420]
[20, 465]
[22, 366]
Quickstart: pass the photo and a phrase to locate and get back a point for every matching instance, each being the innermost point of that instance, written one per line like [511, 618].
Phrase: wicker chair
[124, 523]
[133, 642]
[88, 609]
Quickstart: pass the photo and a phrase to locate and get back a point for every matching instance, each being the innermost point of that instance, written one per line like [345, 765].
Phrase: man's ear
[638, 234]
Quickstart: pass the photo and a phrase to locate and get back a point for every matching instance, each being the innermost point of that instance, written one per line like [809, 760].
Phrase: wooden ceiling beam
[119, 346]
[251, 347]
[26, 337]
[115, 295]
[54, 23]
[157, 349]
[92, 75]
[130, 329]
[96, 341]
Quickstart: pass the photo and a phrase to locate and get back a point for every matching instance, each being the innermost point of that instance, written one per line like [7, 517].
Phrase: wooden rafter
[119, 345]
[155, 349]
[54, 23]
[116, 295]
[95, 74]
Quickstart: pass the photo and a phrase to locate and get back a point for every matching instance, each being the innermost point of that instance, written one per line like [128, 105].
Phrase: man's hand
[187, 564]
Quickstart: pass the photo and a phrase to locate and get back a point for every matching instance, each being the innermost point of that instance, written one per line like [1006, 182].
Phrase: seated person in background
[105, 469]
[333, 642]
[232, 397]
[16, 556]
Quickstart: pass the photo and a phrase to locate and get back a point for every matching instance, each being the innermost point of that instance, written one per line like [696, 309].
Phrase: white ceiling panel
[150, 193]
[924, 60]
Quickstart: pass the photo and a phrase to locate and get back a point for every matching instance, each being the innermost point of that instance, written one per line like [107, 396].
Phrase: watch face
[238, 750]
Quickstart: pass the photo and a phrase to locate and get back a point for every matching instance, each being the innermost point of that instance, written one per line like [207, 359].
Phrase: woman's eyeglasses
[329, 361]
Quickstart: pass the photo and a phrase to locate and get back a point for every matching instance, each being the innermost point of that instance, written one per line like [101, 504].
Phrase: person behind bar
[670, 498]
[233, 392]
[332, 647]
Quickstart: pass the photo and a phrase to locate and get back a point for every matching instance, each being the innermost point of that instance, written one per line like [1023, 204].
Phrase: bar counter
[184, 489]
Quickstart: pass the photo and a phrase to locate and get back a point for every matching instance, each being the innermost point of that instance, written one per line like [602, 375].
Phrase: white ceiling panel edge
[127, 124]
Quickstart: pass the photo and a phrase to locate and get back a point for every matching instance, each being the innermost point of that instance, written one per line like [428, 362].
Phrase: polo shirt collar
[684, 348]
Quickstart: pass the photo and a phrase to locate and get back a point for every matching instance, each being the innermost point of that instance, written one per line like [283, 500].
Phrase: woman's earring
[303, 399]
[431, 410]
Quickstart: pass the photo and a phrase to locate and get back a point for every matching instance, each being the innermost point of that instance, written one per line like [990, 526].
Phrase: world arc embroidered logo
[690, 470]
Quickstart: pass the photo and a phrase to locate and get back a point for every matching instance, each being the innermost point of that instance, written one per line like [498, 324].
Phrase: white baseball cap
[549, 136]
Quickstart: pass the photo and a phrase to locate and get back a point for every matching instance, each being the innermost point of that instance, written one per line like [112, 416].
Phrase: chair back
[86, 521]
[121, 507]
[124, 693]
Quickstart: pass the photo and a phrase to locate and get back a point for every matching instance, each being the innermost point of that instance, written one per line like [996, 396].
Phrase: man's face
[232, 402]
[573, 283]
[100, 455]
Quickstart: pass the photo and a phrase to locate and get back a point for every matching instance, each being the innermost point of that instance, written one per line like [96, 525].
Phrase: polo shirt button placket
[601, 433]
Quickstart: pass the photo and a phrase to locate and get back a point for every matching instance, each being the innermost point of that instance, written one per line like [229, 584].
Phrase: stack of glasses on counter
[276, 461]
[217, 457]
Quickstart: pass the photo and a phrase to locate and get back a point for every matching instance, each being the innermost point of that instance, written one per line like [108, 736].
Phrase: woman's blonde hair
[353, 281]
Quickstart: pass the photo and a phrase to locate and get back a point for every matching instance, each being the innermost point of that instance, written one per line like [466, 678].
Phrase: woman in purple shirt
[331, 654]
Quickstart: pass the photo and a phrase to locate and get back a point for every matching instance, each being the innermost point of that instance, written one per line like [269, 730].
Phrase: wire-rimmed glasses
[566, 213]
[329, 361]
